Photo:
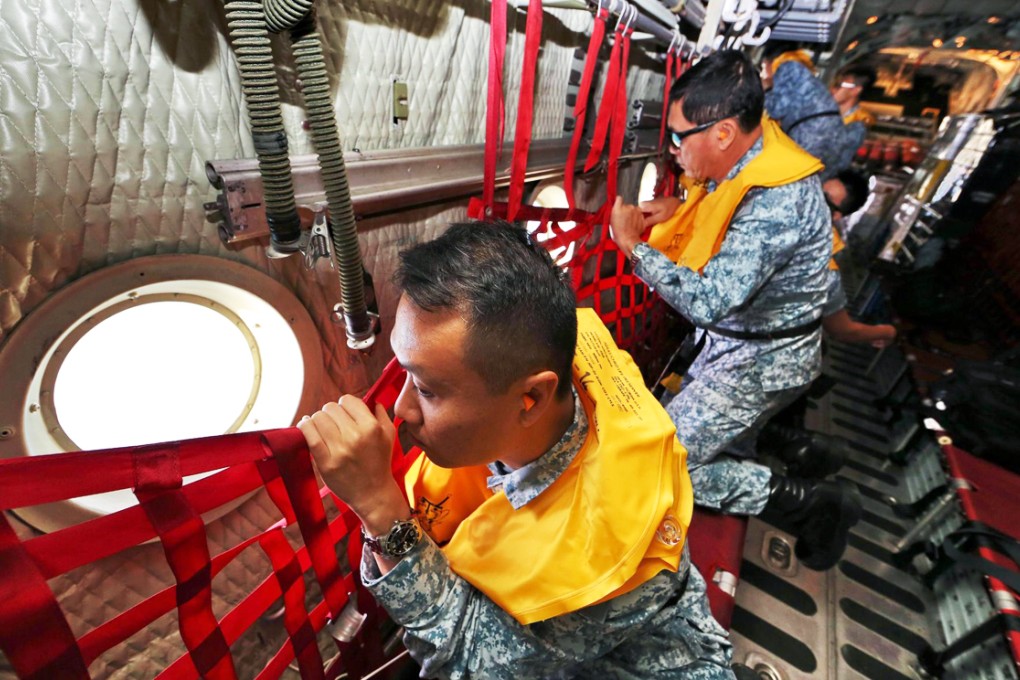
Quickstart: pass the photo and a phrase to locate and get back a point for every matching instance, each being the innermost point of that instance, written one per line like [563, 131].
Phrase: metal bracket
[320, 244]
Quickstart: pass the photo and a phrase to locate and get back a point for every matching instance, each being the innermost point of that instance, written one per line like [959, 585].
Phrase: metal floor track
[867, 618]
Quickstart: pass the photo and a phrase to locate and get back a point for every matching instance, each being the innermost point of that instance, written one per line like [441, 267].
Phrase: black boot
[820, 514]
[806, 454]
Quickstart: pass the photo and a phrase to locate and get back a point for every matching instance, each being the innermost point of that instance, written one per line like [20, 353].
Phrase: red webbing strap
[618, 125]
[299, 478]
[246, 612]
[670, 61]
[35, 480]
[525, 108]
[75, 546]
[129, 622]
[34, 634]
[598, 34]
[629, 317]
[295, 618]
[494, 115]
[182, 533]
[608, 105]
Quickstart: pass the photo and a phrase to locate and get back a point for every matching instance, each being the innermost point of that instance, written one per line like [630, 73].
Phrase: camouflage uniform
[835, 296]
[770, 274]
[455, 631]
[796, 93]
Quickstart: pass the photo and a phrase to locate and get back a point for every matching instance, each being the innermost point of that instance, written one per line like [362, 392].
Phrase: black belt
[809, 117]
[794, 332]
[690, 348]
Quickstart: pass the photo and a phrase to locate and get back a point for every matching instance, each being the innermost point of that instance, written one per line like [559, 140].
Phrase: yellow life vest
[616, 517]
[837, 245]
[799, 56]
[695, 232]
[859, 115]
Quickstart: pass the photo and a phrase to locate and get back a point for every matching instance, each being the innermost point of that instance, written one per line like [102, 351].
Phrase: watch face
[402, 538]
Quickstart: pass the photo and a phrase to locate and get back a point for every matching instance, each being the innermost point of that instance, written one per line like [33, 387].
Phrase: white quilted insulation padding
[109, 110]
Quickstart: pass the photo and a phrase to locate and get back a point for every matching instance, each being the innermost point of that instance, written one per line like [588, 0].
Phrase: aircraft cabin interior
[206, 210]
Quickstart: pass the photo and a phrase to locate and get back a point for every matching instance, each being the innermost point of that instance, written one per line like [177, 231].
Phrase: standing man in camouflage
[806, 110]
[744, 257]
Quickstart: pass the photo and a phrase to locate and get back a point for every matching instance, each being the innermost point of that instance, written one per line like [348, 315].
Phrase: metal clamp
[319, 242]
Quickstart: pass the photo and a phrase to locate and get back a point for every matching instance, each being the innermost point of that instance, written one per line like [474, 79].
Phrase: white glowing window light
[552, 196]
[649, 178]
[156, 372]
[166, 361]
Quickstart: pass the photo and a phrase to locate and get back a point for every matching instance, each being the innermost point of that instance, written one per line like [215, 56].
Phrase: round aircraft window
[154, 349]
[552, 195]
[190, 359]
[649, 178]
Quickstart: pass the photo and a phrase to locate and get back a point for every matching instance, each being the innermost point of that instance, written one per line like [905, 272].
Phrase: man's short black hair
[520, 309]
[721, 85]
[856, 186]
[861, 74]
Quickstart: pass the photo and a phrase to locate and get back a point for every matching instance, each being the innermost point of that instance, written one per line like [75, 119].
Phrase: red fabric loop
[607, 107]
[618, 123]
[494, 114]
[670, 60]
[525, 107]
[598, 34]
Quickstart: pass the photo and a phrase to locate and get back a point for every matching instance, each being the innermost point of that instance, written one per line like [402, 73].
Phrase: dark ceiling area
[965, 24]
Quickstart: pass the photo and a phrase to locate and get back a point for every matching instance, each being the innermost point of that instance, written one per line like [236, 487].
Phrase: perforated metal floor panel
[871, 615]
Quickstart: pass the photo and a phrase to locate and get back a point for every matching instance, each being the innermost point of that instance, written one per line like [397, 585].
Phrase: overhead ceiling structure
[964, 24]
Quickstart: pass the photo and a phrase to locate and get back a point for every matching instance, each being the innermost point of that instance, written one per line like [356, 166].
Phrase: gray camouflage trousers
[710, 418]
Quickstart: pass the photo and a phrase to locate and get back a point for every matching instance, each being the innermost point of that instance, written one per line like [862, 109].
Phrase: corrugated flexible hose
[250, 38]
[311, 68]
[249, 23]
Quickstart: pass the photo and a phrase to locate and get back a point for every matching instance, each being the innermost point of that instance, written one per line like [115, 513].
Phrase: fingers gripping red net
[34, 633]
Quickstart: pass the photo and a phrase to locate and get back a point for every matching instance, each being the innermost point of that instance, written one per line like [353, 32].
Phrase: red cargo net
[578, 239]
[34, 633]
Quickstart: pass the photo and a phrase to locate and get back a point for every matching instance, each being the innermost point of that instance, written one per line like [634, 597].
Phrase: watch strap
[401, 539]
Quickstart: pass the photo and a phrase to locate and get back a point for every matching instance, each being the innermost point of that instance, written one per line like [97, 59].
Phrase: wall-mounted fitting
[401, 107]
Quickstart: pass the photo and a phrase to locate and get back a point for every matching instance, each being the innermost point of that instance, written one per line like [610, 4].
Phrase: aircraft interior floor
[873, 614]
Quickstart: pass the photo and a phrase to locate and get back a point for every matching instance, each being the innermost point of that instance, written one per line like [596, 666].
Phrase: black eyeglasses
[678, 137]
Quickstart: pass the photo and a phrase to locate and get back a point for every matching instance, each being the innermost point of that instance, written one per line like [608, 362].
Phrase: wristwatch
[403, 536]
[635, 254]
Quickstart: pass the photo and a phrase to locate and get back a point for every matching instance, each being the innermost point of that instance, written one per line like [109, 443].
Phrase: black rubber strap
[795, 332]
[820, 114]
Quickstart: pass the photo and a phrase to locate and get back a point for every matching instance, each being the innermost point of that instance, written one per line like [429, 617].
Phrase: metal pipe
[383, 181]
[642, 23]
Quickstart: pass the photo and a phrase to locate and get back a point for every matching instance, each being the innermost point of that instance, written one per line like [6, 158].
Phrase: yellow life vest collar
[695, 232]
[613, 519]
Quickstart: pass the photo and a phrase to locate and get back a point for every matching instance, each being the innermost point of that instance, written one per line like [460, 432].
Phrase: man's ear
[725, 133]
[537, 394]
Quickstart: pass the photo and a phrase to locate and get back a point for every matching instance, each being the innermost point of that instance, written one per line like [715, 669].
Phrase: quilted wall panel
[109, 110]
